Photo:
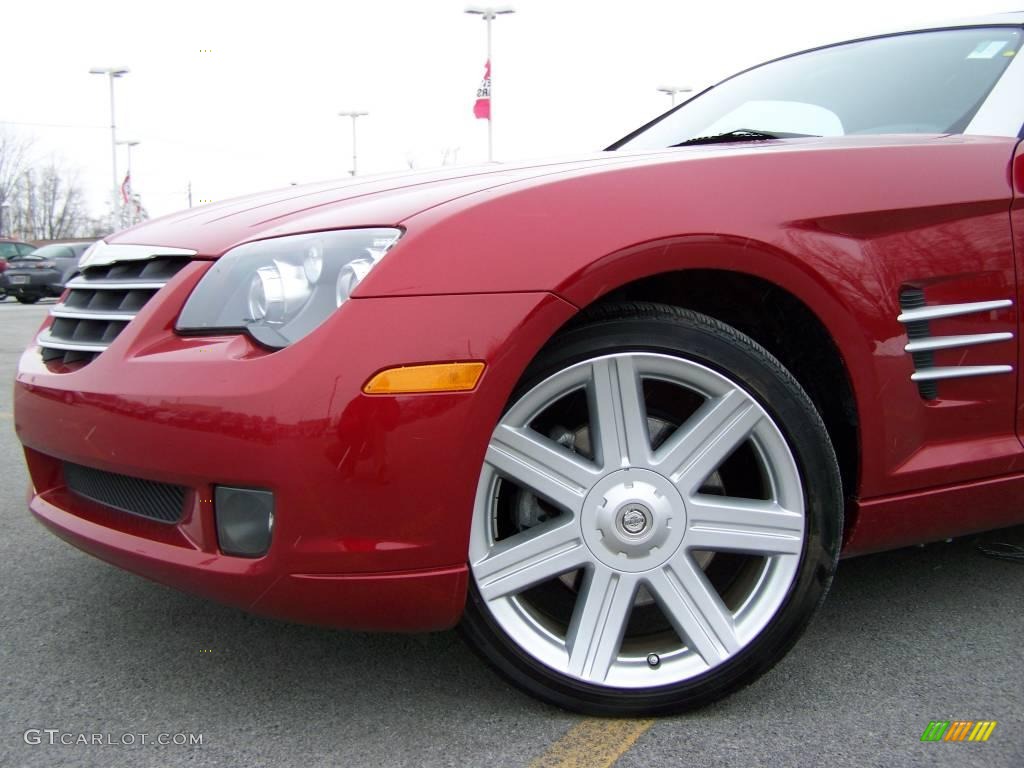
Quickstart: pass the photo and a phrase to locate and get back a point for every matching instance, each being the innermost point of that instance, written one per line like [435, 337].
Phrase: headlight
[279, 290]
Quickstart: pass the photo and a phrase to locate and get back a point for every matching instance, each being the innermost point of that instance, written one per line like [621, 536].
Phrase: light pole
[3, 207]
[489, 14]
[672, 90]
[354, 116]
[112, 74]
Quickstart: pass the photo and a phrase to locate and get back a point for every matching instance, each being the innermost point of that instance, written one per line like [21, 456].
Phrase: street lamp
[354, 116]
[489, 14]
[112, 74]
[672, 90]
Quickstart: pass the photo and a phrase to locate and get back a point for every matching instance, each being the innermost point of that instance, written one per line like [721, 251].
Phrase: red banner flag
[126, 188]
[482, 108]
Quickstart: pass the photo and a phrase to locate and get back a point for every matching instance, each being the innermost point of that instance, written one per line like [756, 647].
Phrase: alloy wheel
[665, 521]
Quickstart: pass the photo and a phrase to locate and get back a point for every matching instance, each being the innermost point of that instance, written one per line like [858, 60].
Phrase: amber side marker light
[410, 379]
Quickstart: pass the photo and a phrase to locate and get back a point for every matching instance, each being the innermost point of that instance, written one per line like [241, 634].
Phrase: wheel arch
[780, 301]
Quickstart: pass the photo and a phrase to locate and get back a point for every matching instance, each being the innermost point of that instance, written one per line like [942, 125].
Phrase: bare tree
[14, 158]
[43, 200]
[61, 210]
[23, 205]
[48, 204]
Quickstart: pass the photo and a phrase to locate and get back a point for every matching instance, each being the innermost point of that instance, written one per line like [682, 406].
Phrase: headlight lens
[313, 264]
[281, 289]
[349, 277]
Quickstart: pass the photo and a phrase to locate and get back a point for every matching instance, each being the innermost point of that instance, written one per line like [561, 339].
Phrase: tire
[27, 299]
[611, 571]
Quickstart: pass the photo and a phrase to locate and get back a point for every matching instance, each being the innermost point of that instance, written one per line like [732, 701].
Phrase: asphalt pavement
[920, 634]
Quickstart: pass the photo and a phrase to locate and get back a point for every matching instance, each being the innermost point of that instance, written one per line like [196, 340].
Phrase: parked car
[616, 417]
[8, 250]
[42, 272]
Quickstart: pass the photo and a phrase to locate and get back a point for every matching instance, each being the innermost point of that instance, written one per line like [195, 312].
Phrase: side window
[24, 249]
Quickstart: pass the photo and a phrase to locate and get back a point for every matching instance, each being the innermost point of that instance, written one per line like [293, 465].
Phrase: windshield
[926, 82]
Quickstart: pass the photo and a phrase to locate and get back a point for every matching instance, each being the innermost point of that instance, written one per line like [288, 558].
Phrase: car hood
[383, 200]
[389, 200]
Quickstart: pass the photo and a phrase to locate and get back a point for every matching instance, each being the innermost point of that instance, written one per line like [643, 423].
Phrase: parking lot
[920, 634]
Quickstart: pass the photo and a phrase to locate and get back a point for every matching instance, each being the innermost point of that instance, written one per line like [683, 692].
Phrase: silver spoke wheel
[639, 521]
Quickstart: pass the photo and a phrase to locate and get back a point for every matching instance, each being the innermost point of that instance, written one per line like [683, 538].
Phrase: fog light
[245, 520]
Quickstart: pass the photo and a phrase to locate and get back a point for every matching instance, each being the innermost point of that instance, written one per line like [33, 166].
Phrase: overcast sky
[259, 109]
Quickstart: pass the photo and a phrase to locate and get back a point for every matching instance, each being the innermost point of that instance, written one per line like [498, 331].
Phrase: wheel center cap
[633, 519]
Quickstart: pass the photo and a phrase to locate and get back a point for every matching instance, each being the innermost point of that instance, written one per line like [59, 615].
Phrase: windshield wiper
[741, 134]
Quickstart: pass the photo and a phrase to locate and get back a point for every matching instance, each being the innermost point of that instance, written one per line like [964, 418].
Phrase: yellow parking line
[593, 743]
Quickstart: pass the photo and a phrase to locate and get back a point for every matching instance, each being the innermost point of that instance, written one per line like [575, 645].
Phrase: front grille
[155, 501]
[101, 303]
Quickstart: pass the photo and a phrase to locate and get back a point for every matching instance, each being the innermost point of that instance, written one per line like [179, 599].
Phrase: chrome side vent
[917, 330]
[101, 303]
[921, 344]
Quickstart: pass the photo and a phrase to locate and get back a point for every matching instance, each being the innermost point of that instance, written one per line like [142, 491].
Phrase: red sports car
[616, 416]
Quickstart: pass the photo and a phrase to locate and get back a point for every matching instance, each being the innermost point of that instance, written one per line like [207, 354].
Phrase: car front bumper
[373, 494]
